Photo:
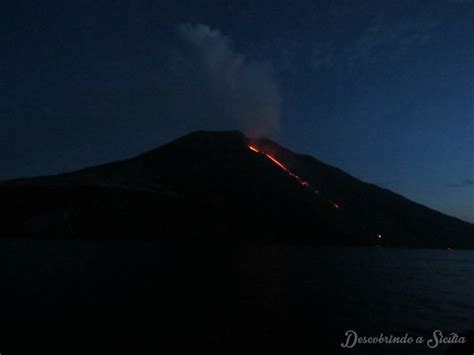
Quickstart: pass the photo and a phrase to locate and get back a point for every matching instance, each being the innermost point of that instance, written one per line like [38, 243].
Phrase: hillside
[223, 185]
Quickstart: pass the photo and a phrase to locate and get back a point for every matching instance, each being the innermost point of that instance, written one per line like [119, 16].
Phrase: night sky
[383, 90]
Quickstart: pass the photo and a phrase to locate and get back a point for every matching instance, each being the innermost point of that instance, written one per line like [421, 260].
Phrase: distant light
[380, 236]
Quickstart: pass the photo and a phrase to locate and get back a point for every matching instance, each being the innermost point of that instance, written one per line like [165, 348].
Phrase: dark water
[390, 291]
[115, 296]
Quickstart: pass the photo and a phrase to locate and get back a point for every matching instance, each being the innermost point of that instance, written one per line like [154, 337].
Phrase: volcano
[223, 186]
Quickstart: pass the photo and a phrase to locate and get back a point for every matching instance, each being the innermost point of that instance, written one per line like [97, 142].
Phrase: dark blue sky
[383, 89]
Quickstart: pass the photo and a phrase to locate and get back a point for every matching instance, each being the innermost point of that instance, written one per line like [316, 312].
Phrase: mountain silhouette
[224, 186]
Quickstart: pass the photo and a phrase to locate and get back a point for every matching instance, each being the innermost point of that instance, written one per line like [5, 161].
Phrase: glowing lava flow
[292, 174]
[254, 149]
[277, 162]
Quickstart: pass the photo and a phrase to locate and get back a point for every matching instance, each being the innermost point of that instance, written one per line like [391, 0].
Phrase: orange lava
[277, 162]
[302, 182]
[254, 149]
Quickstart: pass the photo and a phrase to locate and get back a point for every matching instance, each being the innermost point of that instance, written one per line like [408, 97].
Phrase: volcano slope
[223, 186]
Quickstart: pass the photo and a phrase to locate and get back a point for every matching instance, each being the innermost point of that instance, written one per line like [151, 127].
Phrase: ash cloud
[218, 86]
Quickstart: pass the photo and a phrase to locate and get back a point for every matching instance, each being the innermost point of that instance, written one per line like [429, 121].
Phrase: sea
[109, 296]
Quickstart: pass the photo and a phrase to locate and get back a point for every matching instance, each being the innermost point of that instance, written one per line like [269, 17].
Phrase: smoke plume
[218, 85]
